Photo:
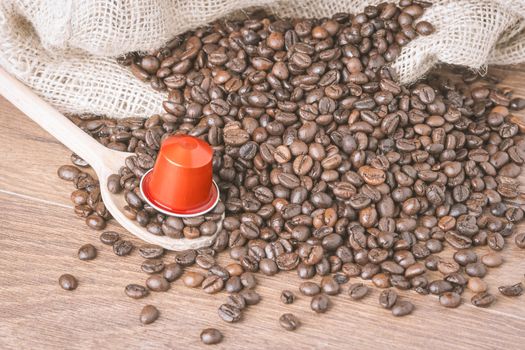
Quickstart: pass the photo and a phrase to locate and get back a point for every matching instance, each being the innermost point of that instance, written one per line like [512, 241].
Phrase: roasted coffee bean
[248, 280]
[210, 336]
[109, 237]
[192, 279]
[186, 258]
[320, 303]
[229, 313]
[477, 285]
[482, 299]
[402, 308]
[122, 247]
[250, 296]
[212, 284]
[309, 288]
[476, 269]
[136, 291]
[450, 299]
[151, 251]
[157, 283]
[357, 291]
[96, 222]
[152, 266]
[149, 314]
[237, 300]
[329, 286]
[87, 252]
[172, 272]
[520, 240]
[492, 260]
[68, 282]
[68, 172]
[387, 298]
[512, 290]
[287, 297]
[289, 322]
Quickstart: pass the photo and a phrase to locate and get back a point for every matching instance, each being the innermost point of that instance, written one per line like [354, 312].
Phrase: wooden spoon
[103, 160]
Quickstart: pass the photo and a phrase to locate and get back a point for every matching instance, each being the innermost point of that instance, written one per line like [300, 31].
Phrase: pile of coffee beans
[325, 164]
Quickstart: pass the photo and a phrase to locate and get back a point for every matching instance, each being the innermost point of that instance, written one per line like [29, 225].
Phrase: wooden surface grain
[40, 236]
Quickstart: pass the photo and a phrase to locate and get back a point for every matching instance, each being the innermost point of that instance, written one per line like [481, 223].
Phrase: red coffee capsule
[180, 183]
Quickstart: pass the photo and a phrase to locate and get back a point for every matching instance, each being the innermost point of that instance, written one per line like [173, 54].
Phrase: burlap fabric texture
[65, 49]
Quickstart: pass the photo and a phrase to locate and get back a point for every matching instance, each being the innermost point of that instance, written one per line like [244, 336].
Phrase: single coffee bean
[482, 299]
[309, 288]
[236, 300]
[357, 291]
[492, 260]
[233, 284]
[287, 297]
[68, 172]
[387, 298]
[210, 336]
[248, 280]
[476, 269]
[477, 285]
[289, 321]
[450, 299]
[136, 291]
[229, 313]
[68, 282]
[87, 252]
[512, 290]
[329, 286]
[192, 279]
[152, 266]
[172, 272]
[109, 237]
[149, 314]
[151, 251]
[320, 303]
[96, 222]
[157, 283]
[520, 240]
[402, 308]
[122, 247]
[250, 296]
[212, 284]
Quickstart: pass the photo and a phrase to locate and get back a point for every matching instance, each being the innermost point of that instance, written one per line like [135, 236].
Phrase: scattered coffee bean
[289, 322]
[136, 291]
[309, 288]
[192, 279]
[320, 303]
[172, 272]
[210, 336]
[402, 308]
[157, 283]
[287, 297]
[229, 313]
[357, 291]
[482, 299]
[87, 252]
[512, 290]
[151, 251]
[149, 314]
[122, 248]
[387, 298]
[68, 282]
[109, 237]
[450, 299]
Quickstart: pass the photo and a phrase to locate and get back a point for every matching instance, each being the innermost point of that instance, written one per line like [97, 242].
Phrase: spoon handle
[51, 120]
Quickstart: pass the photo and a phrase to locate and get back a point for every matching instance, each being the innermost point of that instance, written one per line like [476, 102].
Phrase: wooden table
[40, 236]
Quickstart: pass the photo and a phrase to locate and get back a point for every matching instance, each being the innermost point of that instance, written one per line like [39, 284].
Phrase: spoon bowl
[103, 160]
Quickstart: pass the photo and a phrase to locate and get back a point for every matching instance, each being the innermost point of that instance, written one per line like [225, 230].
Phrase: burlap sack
[65, 49]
